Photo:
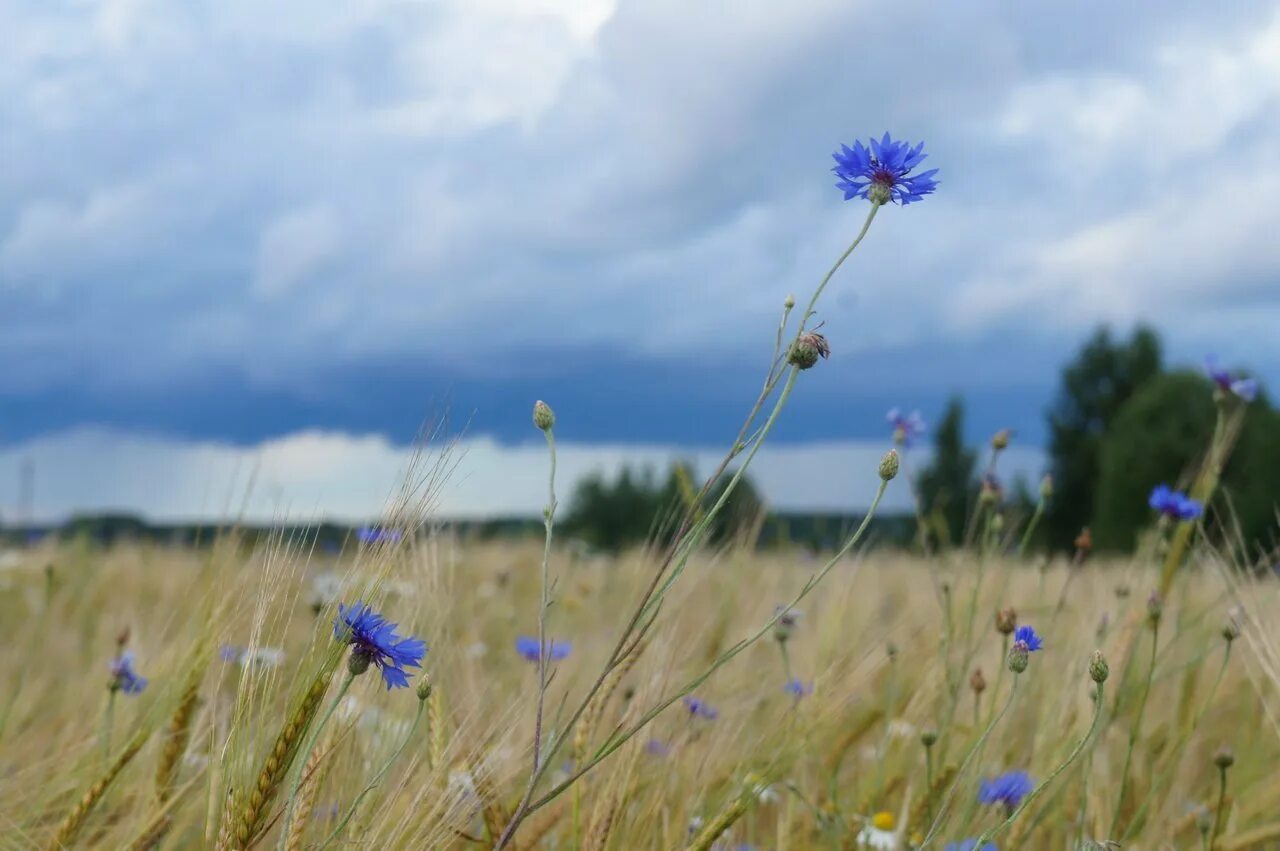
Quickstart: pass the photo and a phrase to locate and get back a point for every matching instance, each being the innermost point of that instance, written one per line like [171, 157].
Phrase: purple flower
[124, 677]
[798, 688]
[700, 709]
[906, 428]
[882, 172]
[1242, 388]
[970, 845]
[374, 639]
[1008, 789]
[527, 646]
[655, 747]
[374, 535]
[1026, 636]
[1175, 504]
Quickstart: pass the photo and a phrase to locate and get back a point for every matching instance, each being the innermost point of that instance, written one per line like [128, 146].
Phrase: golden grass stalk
[177, 735]
[729, 814]
[253, 817]
[70, 826]
[307, 792]
[437, 734]
[602, 821]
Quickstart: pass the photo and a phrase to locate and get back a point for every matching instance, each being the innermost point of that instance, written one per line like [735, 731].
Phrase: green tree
[948, 479]
[1104, 375]
[1161, 436]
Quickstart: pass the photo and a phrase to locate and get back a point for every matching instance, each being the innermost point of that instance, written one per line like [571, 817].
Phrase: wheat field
[232, 638]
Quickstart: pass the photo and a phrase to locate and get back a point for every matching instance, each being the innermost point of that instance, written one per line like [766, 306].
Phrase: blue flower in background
[371, 636]
[882, 172]
[1175, 504]
[374, 535]
[1242, 388]
[1008, 789]
[654, 747]
[970, 845]
[700, 709]
[527, 646]
[124, 677]
[798, 688]
[906, 427]
[1026, 635]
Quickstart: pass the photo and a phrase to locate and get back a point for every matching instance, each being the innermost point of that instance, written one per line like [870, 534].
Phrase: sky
[278, 236]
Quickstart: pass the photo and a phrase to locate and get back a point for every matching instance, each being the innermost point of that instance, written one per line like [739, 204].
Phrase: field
[884, 655]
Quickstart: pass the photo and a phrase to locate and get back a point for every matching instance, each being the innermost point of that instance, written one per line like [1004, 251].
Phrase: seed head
[806, 350]
[1000, 440]
[1006, 620]
[977, 682]
[1224, 758]
[889, 465]
[543, 417]
[1098, 669]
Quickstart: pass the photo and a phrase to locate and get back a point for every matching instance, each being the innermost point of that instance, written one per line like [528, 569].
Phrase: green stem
[990, 833]
[618, 740]
[377, 778]
[813, 301]
[1222, 799]
[1134, 730]
[108, 721]
[973, 751]
[1031, 528]
[305, 754]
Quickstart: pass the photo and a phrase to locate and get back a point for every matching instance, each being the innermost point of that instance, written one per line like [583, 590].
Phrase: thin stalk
[990, 833]
[377, 778]
[108, 721]
[1222, 799]
[1031, 528]
[1133, 731]
[305, 753]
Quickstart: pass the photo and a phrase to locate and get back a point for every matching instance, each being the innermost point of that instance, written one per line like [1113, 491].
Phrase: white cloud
[294, 246]
[312, 475]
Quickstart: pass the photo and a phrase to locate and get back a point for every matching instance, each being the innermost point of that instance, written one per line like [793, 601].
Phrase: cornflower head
[881, 171]
[374, 641]
[1175, 504]
[1008, 789]
[124, 677]
[970, 845]
[785, 625]
[528, 646]
[699, 708]
[1244, 389]
[1025, 642]
[376, 535]
[906, 427]
[798, 688]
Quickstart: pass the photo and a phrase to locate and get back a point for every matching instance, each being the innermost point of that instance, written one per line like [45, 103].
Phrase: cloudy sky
[279, 235]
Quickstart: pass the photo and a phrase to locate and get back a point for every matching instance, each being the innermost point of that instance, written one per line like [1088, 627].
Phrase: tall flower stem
[108, 721]
[991, 833]
[689, 533]
[305, 753]
[969, 757]
[1031, 528]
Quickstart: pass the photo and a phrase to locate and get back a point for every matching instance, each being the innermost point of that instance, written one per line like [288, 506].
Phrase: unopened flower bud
[787, 621]
[543, 417]
[806, 350]
[790, 302]
[1122, 591]
[1006, 620]
[1084, 541]
[1019, 655]
[997, 523]
[991, 491]
[1046, 487]
[892, 650]
[1204, 819]
[1231, 627]
[1098, 668]
[424, 689]
[977, 682]
[1224, 758]
[122, 637]
[358, 663]
[1155, 608]
[889, 466]
[929, 738]
[1000, 440]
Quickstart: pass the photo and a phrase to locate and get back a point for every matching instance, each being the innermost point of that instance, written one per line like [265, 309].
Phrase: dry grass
[850, 749]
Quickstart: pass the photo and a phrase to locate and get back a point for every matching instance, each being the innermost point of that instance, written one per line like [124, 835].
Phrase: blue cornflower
[797, 688]
[527, 646]
[906, 427]
[124, 677]
[970, 845]
[374, 640]
[655, 747]
[1242, 388]
[1026, 635]
[1175, 504]
[1008, 789]
[700, 709]
[882, 173]
[374, 535]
